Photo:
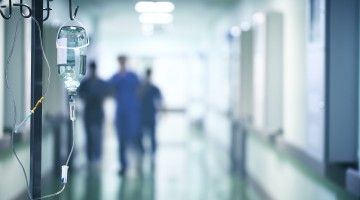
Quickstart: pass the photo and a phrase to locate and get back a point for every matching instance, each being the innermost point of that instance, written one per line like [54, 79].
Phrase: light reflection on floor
[187, 167]
[190, 165]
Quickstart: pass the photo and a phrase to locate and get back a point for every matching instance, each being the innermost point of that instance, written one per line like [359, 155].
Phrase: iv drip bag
[71, 44]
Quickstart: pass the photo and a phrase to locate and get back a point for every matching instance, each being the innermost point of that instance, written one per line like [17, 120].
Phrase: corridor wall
[56, 100]
[15, 74]
[56, 97]
[2, 64]
[220, 47]
[12, 183]
[246, 75]
[321, 83]
[268, 72]
[294, 73]
[315, 79]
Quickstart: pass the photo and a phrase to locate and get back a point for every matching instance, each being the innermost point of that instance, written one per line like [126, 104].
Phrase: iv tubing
[66, 164]
[16, 126]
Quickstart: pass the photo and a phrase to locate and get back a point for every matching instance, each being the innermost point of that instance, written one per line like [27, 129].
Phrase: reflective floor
[192, 165]
[186, 167]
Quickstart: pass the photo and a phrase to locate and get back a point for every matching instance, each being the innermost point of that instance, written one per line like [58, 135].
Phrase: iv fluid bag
[71, 43]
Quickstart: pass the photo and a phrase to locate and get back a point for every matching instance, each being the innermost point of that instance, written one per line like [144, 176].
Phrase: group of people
[137, 104]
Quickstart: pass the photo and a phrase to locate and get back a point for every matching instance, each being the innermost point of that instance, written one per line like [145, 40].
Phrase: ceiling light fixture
[155, 18]
[154, 7]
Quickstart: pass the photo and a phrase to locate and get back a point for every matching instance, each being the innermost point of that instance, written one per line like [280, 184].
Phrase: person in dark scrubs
[150, 98]
[93, 91]
[125, 85]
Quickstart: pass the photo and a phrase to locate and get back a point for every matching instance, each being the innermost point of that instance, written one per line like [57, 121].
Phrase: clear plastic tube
[21, 124]
[66, 164]
[17, 127]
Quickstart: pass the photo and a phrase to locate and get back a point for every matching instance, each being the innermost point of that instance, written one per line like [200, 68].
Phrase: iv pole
[36, 93]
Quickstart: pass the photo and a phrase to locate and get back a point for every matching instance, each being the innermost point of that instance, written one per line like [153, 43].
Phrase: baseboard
[280, 143]
[337, 173]
[302, 156]
[269, 137]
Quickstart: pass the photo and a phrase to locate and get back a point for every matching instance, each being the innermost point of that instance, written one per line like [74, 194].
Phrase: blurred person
[150, 101]
[93, 91]
[125, 84]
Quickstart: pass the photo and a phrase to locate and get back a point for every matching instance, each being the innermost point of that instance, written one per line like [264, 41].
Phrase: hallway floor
[186, 167]
[192, 166]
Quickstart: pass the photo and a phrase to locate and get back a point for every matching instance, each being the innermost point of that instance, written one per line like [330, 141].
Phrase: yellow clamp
[38, 103]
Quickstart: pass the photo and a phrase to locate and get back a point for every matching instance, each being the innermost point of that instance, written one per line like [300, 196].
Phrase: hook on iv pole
[28, 14]
[72, 15]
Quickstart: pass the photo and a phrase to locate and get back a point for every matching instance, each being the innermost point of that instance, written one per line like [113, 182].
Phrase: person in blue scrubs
[93, 91]
[125, 85]
[150, 100]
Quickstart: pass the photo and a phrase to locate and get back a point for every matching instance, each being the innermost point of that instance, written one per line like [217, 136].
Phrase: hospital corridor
[179, 100]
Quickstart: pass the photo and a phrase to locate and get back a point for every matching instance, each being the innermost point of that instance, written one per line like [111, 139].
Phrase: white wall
[315, 73]
[15, 73]
[246, 73]
[56, 98]
[2, 64]
[268, 71]
[217, 49]
[294, 61]
[218, 102]
[294, 43]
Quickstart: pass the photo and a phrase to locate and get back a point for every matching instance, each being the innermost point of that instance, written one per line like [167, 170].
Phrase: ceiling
[99, 7]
